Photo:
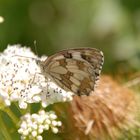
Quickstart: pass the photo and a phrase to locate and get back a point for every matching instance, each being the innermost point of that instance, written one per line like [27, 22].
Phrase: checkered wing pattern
[76, 70]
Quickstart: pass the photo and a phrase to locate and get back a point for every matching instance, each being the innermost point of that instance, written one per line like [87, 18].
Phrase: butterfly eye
[41, 64]
[37, 62]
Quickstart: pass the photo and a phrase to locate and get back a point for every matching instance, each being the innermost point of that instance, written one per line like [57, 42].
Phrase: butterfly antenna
[24, 56]
[35, 47]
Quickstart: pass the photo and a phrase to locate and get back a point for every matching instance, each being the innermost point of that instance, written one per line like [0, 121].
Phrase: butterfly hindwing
[74, 75]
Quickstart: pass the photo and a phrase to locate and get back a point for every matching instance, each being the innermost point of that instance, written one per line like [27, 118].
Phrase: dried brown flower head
[105, 114]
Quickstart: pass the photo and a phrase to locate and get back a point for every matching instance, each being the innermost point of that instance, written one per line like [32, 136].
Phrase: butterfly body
[75, 70]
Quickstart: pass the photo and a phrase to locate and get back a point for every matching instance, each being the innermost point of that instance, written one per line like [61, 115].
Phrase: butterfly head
[40, 64]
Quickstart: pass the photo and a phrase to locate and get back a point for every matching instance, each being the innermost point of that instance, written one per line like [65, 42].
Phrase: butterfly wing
[76, 70]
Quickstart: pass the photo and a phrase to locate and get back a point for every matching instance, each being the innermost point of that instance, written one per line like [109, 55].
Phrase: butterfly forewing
[76, 70]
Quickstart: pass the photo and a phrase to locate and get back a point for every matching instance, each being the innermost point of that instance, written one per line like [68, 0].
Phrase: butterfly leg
[35, 77]
[48, 93]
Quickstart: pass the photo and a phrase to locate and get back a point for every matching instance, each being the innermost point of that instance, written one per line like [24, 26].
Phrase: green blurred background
[110, 25]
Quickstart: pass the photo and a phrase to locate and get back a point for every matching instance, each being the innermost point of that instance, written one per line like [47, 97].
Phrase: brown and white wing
[76, 70]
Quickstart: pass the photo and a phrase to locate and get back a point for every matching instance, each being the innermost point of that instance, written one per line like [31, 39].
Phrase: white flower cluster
[20, 80]
[32, 126]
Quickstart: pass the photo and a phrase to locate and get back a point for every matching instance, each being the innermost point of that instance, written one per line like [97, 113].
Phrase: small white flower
[48, 121]
[39, 137]
[46, 127]
[22, 104]
[34, 133]
[20, 80]
[32, 127]
[55, 130]
[53, 116]
[35, 116]
[7, 102]
[59, 123]
[54, 123]
[25, 132]
[40, 129]
[20, 130]
[1, 19]
[24, 125]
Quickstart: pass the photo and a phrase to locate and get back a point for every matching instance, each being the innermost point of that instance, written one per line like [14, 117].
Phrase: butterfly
[76, 70]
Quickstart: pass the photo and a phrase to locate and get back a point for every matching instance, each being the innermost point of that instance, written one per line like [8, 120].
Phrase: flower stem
[12, 116]
[4, 130]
